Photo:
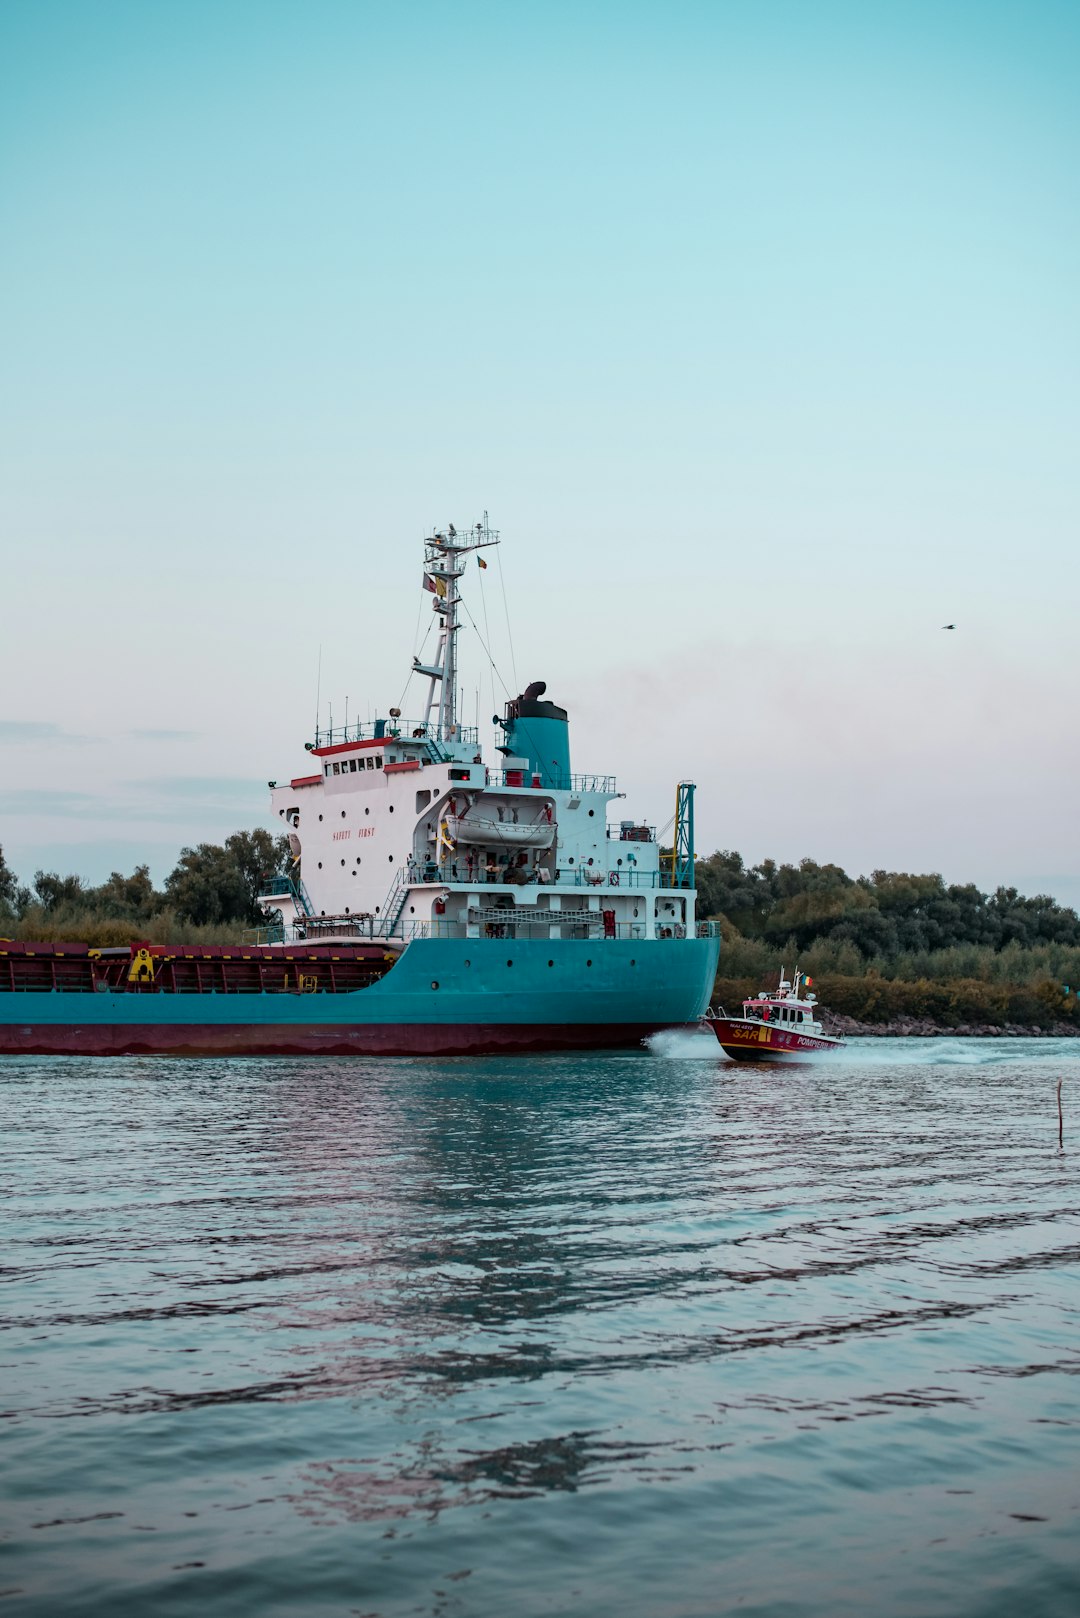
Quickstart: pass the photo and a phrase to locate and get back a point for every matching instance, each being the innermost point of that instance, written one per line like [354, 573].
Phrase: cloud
[172, 800]
[214, 789]
[38, 730]
[163, 735]
[43, 801]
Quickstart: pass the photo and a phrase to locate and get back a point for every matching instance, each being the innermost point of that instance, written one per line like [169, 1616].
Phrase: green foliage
[893, 945]
[13, 897]
[870, 998]
[212, 885]
[888, 914]
[208, 898]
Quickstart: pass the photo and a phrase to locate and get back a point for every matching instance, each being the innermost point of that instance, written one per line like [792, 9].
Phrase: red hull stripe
[377, 1039]
[351, 747]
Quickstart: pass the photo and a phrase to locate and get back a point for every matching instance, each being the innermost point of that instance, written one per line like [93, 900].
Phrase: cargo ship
[438, 902]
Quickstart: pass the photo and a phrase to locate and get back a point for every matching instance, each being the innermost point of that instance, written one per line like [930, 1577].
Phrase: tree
[56, 892]
[258, 855]
[13, 897]
[727, 888]
[213, 884]
[128, 896]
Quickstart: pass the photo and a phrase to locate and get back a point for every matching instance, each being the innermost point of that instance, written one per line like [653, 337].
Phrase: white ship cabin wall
[398, 822]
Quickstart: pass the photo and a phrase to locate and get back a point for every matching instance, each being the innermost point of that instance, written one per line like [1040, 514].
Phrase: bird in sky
[948, 626]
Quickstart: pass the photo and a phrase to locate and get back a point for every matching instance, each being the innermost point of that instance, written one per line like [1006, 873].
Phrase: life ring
[613, 878]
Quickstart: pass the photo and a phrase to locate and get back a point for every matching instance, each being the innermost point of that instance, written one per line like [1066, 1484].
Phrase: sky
[753, 325]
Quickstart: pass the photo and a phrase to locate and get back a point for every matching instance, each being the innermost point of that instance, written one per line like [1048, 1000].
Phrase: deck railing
[389, 730]
[456, 873]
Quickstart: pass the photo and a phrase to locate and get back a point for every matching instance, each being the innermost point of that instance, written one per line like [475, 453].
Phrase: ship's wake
[684, 1044]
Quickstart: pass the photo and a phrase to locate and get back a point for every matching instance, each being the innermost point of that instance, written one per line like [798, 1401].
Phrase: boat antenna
[318, 693]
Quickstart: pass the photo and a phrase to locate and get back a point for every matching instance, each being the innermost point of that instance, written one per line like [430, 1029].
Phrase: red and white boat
[776, 1026]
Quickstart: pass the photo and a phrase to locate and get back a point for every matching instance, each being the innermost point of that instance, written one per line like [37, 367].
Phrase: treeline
[209, 897]
[894, 945]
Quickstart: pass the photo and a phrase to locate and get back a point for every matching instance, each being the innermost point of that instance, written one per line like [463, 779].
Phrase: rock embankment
[922, 1028]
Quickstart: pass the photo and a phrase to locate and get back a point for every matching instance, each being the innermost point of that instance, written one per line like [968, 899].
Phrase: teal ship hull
[445, 997]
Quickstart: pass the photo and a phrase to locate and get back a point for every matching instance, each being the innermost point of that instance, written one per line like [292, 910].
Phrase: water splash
[684, 1044]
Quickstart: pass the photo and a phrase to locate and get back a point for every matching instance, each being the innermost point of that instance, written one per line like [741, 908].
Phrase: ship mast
[445, 554]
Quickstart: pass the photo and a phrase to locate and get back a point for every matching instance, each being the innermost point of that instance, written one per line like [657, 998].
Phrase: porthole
[570, 861]
[320, 865]
[343, 814]
[391, 808]
[352, 873]
[358, 862]
[633, 962]
[434, 983]
[588, 963]
[346, 910]
[320, 817]
[590, 862]
[390, 857]
[551, 963]
[591, 813]
[343, 862]
[377, 907]
[618, 862]
[412, 910]
[366, 811]
[468, 963]
[509, 963]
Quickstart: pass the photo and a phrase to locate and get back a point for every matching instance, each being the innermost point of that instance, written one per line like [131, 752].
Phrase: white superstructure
[402, 829]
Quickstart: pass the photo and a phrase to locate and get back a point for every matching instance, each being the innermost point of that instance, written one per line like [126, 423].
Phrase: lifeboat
[514, 833]
[779, 1025]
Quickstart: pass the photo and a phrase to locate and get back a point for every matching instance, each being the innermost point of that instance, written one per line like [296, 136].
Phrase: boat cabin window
[337, 769]
[422, 800]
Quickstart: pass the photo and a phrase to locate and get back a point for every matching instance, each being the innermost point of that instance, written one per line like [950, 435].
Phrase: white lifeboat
[477, 829]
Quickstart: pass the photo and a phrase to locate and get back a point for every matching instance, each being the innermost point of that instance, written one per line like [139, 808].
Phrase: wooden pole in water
[1061, 1121]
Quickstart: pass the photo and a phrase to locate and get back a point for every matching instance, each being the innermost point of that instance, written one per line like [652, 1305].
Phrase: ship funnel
[538, 732]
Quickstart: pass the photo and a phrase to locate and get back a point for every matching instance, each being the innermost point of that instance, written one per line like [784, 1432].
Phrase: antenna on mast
[445, 554]
[318, 694]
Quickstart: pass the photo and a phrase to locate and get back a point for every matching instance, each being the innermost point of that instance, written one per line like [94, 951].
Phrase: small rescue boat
[776, 1026]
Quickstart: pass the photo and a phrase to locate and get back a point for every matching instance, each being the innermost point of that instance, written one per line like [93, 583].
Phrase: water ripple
[641, 1331]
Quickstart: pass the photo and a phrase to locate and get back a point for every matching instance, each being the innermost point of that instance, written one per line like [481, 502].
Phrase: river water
[639, 1333]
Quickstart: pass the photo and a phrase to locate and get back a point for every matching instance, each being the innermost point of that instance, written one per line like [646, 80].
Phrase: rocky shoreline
[922, 1028]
